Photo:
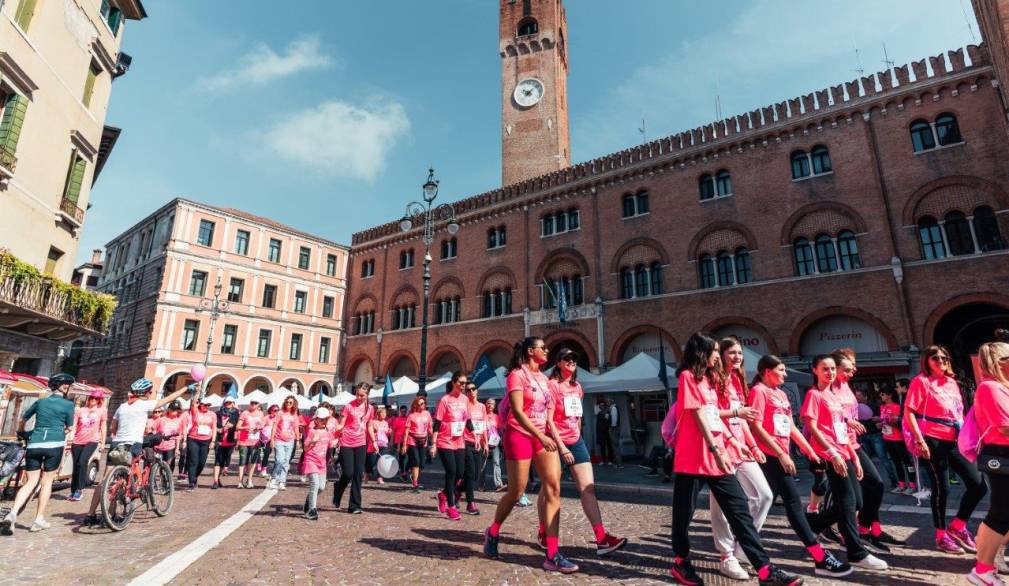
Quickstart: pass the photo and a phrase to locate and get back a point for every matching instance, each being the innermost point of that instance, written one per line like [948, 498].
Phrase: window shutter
[10, 126]
[75, 178]
[25, 12]
[89, 85]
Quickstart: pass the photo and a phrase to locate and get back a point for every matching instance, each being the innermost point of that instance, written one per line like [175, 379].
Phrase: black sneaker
[685, 574]
[831, 535]
[780, 577]
[91, 521]
[7, 527]
[874, 544]
[490, 544]
[215, 486]
[355, 511]
[831, 566]
[888, 539]
[561, 564]
[312, 515]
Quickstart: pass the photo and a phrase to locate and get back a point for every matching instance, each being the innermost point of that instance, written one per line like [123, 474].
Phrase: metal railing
[43, 296]
[7, 159]
[70, 208]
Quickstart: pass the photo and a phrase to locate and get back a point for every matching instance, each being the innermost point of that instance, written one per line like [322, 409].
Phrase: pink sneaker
[963, 538]
[610, 544]
[453, 514]
[946, 544]
[442, 502]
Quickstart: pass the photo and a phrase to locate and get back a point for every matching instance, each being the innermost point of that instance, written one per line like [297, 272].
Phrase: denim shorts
[580, 451]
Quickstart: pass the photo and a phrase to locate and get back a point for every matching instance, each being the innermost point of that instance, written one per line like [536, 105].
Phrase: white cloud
[263, 65]
[341, 139]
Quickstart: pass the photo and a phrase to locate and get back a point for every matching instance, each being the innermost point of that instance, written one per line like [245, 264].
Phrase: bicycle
[146, 479]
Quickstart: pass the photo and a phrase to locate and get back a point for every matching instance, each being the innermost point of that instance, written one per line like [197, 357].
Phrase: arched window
[640, 281]
[947, 130]
[561, 222]
[723, 183]
[826, 256]
[656, 277]
[502, 236]
[706, 184]
[706, 267]
[821, 160]
[528, 26]
[577, 290]
[848, 249]
[488, 304]
[921, 136]
[492, 238]
[804, 264]
[958, 234]
[744, 269]
[930, 235]
[630, 206]
[986, 228]
[626, 283]
[800, 165]
[726, 270]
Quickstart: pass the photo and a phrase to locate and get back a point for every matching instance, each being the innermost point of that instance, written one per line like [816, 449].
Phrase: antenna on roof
[644, 137]
[886, 59]
[966, 19]
[858, 58]
[718, 99]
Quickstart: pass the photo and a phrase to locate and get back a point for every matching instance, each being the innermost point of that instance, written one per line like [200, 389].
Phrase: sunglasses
[941, 359]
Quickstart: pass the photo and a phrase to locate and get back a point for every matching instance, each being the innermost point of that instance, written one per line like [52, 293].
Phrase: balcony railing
[7, 159]
[69, 208]
[24, 287]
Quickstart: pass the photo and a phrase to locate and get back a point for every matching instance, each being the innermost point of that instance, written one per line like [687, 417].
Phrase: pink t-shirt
[692, 453]
[850, 405]
[478, 415]
[937, 397]
[827, 413]
[418, 424]
[172, 426]
[254, 422]
[285, 427]
[398, 429]
[88, 424]
[356, 416]
[567, 410]
[381, 429]
[453, 413]
[317, 444]
[991, 409]
[535, 389]
[727, 401]
[202, 424]
[775, 416]
[889, 422]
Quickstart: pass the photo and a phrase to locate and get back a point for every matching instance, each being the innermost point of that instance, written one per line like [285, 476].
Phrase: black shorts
[44, 459]
[222, 455]
[415, 457]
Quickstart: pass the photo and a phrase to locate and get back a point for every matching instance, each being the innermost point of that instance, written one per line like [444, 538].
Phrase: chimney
[96, 256]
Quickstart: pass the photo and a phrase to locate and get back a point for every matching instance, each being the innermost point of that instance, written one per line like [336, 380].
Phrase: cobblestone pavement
[401, 538]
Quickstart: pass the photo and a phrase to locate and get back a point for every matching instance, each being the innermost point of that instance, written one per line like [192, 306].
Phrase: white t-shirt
[131, 420]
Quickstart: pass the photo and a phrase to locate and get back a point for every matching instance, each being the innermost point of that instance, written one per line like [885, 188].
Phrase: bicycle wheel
[161, 487]
[117, 510]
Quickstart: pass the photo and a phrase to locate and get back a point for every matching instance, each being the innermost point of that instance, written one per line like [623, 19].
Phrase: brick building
[285, 290]
[871, 214]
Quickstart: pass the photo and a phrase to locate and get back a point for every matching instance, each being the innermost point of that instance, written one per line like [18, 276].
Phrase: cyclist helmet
[58, 380]
[175, 406]
[141, 386]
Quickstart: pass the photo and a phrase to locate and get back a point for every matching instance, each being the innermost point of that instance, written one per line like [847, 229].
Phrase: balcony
[8, 164]
[70, 213]
[39, 305]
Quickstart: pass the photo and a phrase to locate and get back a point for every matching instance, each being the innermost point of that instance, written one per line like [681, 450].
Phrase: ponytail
[521, 351]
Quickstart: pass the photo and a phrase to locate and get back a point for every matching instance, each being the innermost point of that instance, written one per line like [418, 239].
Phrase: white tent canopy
[256, 395]
[278, 396]
[214, 400]
[639, 374]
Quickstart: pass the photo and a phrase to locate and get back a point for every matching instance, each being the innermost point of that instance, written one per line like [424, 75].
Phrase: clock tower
[534, 82]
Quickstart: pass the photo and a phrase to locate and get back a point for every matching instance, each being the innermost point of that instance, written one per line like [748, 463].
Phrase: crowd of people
[735, 436]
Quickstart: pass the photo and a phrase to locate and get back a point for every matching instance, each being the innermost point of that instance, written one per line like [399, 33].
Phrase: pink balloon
[198, 372]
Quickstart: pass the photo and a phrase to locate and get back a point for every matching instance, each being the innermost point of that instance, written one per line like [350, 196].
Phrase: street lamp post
[427, 215]
[217, 308]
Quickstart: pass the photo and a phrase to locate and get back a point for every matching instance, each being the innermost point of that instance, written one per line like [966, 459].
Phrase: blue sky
[326, 115]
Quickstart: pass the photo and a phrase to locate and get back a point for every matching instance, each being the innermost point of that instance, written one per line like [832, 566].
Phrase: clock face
[528, 92]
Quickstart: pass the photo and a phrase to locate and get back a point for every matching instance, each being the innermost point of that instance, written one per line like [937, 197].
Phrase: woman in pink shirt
[250, 425]
[701, 458]
[380, 431]
[494, 447]
[418, 430]
[774, 429]
[475, 436]
[171, 427]
[353, 447]
[991, 409]
[933, 412]
[566, 429]
[90, 424]
[893, 440]
[826, 419]
[451, 418]
[285, 435]
[318, 441]
[525, 414]
[202, 433]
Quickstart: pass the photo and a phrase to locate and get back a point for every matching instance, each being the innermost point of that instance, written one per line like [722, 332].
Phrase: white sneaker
[271, 485]
[988, 578]
[39, 525]
[730, 568]
[871, 562]
[1000, 564]
[283, 486]
[923, 494]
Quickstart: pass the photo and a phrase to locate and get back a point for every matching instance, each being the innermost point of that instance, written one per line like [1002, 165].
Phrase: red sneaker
[442, 502]
[453, 514]
[610, 544]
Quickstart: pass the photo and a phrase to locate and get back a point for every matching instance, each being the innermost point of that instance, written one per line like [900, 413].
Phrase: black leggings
[352, 462]
[473, 465]
[168, 457]
[897, 452]
[871, 488]
[943, 456]
[783, 485]
[196, 458]
[731, 498]
[454, 462]
[82, 455]
[846, 499]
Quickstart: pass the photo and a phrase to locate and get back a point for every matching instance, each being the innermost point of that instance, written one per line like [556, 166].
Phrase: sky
[326, 114]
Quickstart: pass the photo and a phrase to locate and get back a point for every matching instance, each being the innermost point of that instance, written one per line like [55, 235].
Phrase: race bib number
[782, 425]
[493, 440]
[253, 436]
[887, 429]
[478, 426]
[710, 414]
[457, 428]
[572, 407]
[202, 430]
[841, 431]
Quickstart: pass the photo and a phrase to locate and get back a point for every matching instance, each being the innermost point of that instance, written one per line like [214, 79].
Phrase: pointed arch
[855, 220]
